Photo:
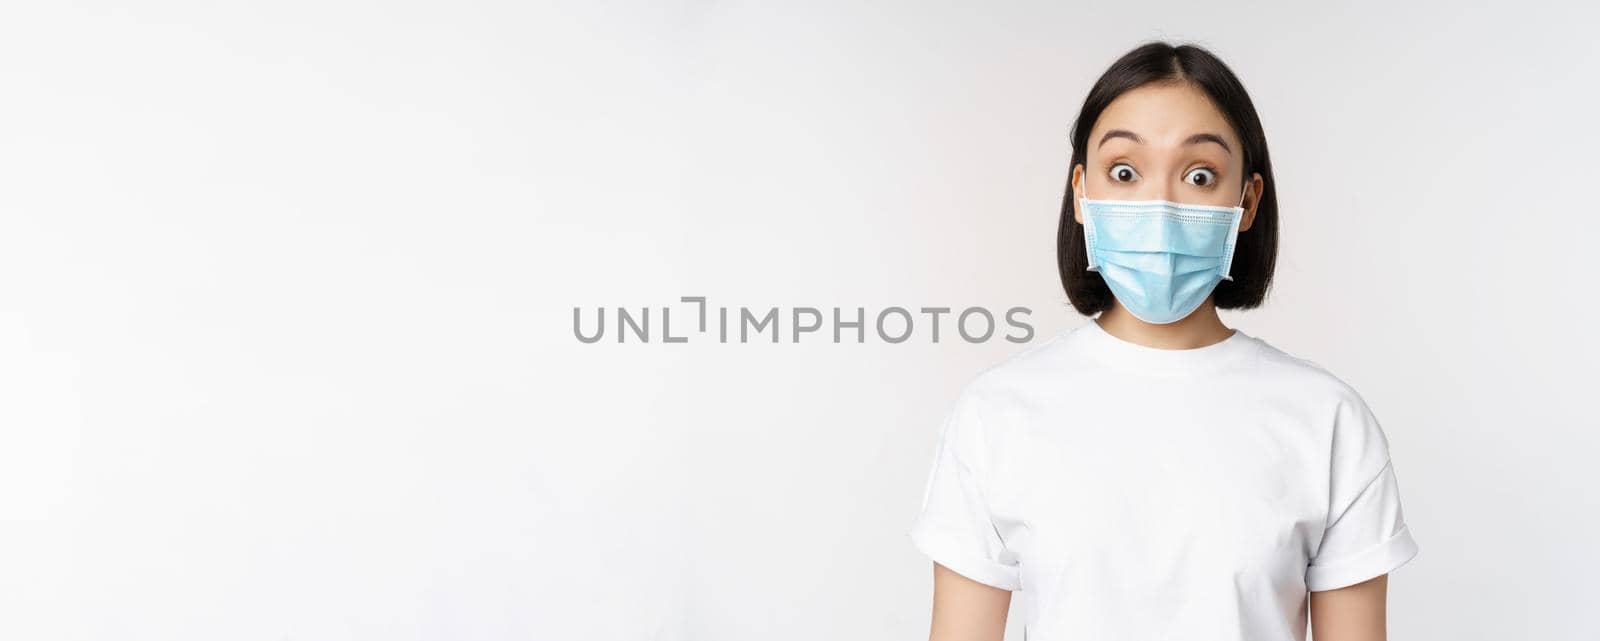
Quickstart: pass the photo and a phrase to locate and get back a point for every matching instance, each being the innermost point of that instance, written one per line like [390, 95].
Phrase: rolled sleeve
[955, 527]
[1370, 538]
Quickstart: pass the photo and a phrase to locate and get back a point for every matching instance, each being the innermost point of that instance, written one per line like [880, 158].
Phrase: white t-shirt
[1132, 492]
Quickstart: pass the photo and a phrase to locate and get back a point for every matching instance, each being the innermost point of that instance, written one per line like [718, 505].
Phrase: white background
[286, 297]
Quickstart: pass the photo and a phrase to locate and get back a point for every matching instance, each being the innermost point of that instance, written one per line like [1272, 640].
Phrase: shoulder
[1011, 380]
[1347, 425]
[1305, 378]
[982, 428]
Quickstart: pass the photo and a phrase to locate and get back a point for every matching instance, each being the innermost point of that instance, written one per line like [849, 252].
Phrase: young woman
[1153, 473]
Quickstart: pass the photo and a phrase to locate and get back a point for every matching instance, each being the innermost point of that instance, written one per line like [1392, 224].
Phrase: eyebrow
[1119, 133]
[1191, 140]
[1200, 138]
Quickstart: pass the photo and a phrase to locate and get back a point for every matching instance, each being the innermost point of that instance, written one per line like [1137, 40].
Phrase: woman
[1153, 473]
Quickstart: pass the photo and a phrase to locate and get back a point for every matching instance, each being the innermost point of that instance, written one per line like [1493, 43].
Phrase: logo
[798, 324]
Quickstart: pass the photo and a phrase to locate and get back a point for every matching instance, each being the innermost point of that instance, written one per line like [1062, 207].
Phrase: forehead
[1163, 114]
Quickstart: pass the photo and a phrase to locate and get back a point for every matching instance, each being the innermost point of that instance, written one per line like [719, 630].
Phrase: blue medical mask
[1160, 258]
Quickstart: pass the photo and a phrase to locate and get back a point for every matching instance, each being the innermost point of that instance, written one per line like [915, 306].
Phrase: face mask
[1160, 258]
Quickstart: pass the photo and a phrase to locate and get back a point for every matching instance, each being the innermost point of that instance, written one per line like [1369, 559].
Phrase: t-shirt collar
[1143, 359]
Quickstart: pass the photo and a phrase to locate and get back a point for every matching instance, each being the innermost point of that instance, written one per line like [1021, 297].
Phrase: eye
[1123, 172]
[1201, 177]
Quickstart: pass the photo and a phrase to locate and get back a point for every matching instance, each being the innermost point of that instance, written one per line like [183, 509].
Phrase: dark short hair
[1256, 251]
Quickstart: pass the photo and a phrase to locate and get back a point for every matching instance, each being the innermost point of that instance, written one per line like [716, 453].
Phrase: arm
[1351, 613]
[966, 610]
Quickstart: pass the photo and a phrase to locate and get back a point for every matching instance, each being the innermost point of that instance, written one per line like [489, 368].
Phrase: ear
[1077, 192]
[1252, 198]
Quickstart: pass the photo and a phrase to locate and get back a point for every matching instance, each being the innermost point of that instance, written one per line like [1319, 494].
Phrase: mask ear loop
[1233, 232]
[1088, 223]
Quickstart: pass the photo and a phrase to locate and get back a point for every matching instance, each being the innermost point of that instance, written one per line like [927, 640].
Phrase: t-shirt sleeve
[955, 527]
[1366, 535]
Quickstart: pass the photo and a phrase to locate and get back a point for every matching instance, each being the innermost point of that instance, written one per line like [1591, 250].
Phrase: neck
[1201, 328]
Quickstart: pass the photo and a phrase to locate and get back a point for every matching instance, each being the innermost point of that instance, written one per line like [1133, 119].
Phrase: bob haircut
[1256, 251]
